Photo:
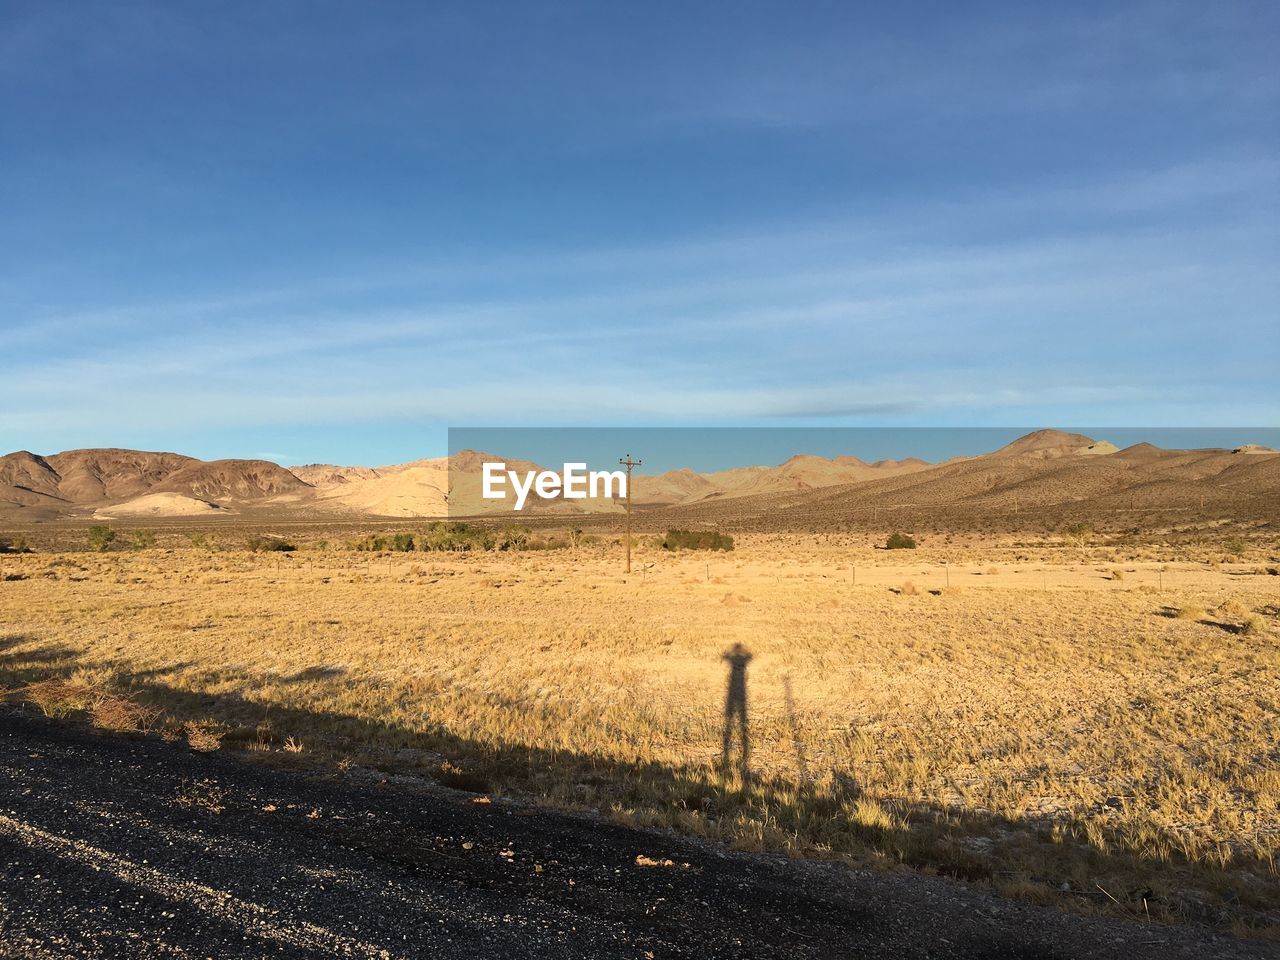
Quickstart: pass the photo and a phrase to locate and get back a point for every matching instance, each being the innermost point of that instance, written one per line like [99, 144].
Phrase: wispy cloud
[1008, 216]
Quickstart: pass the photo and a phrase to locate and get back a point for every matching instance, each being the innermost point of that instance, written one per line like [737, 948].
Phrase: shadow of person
[735, 710]
[797, 743]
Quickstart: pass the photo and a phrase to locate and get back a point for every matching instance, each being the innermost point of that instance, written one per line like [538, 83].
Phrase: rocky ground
[112, 846]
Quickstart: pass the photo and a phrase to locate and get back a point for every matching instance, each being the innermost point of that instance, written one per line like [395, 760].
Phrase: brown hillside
[1046, 445]
[238, 480]
[1033, 479]
[23, 474]
[325, 475]
[89, 476]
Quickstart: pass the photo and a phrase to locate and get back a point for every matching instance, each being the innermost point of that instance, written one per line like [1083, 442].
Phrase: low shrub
[513, 538]
[16, 544]
[696, 540]
[144, 539]
[459, 537]
[59, 698]
[266, 543]
[204, 736]
[1252, 626]
[101, 538]
[1079, 531]
[122, 714]
[900, 541]
[451, 775]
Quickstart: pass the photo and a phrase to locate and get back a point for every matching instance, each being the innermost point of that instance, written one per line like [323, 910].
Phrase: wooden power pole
[629, 463]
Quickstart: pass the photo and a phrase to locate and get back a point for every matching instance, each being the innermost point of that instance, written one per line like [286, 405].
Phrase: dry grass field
[1088, 725]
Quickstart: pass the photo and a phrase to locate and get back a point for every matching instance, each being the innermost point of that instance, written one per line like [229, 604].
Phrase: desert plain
[1089, 719]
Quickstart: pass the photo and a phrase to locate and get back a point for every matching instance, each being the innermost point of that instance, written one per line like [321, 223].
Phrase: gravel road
[112, 846]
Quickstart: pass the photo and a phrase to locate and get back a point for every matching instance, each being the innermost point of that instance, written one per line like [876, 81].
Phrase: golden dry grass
[1057, 731]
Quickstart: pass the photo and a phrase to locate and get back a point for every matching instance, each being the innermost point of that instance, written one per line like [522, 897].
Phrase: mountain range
[1045, 467]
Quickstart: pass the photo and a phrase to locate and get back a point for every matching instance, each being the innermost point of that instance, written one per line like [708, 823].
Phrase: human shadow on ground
[735, 715]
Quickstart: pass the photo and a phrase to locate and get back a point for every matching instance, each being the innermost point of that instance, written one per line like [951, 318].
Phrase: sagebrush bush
[59, 698]
[204, 736]
[696, 540]
[1252, 626]
[513, 538]
[101, 538]
[270, 544]
[17, 544]
[900, 541]
[1079, 531]
[460, 537]
[122, 714]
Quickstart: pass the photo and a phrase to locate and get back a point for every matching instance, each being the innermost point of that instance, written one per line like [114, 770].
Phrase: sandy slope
[416, 489]
[160, 505]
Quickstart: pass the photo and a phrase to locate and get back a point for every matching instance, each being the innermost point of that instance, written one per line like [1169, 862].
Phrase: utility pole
[629, 463]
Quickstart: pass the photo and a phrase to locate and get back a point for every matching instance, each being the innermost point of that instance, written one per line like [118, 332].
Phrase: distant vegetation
[456, 538]
[696, 540]
[265, 543]
[16, 544]
[101, 538]
[144, 539]
[900, 541]
[459, 537]
[1079, 531]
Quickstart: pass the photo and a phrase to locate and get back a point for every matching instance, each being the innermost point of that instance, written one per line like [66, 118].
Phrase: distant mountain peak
[1045, 444]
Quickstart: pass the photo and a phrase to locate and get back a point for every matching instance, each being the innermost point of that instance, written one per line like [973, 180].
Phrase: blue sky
[326, 232]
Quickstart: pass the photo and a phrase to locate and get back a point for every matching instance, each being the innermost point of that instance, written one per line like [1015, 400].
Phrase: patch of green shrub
[144, 539]
[696, 540]
[1079, 531]
[900, 541]
[101, 538]
[513, 538]
[17, 544]
[459, 537]
[264, 543]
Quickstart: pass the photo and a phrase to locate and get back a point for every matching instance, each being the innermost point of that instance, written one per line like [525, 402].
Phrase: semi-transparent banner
[516, 472]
